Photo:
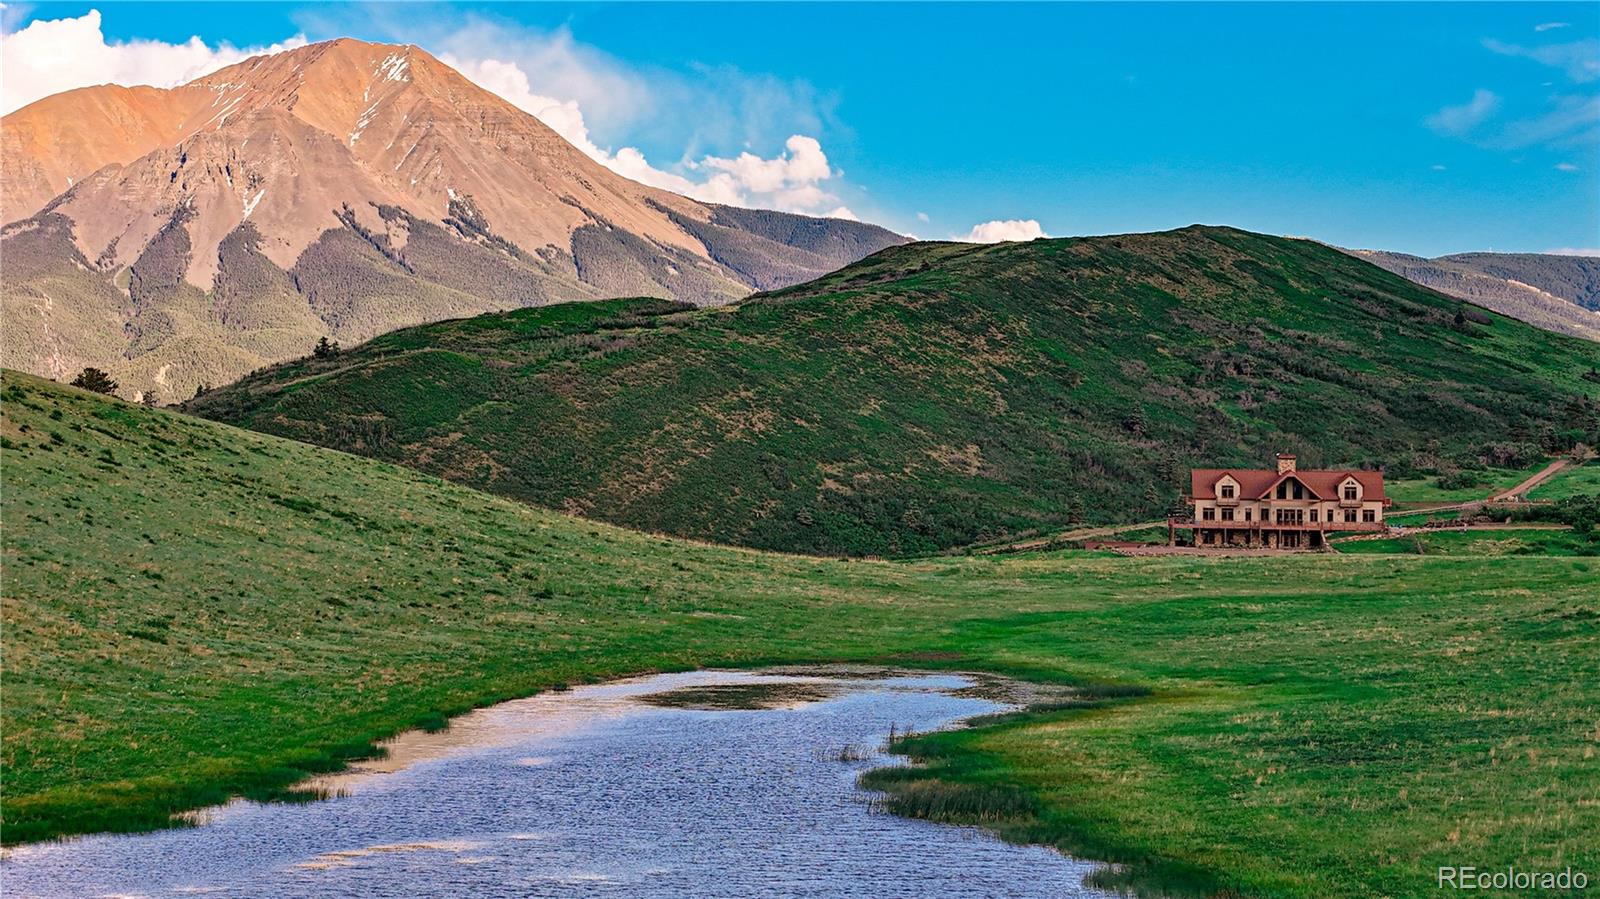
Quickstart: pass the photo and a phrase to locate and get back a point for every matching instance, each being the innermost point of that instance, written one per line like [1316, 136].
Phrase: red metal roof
[1255, 483]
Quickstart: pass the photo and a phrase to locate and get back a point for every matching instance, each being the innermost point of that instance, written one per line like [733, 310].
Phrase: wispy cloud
[1551, 26]
[13, 13]
[1566, 167]
[1003, 230]
[1457, 121]
[1575, 251]
[1571, 121]
[1580, 60]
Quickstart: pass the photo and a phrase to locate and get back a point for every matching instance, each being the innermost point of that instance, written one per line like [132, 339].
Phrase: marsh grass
[846, 754]
[950, 802]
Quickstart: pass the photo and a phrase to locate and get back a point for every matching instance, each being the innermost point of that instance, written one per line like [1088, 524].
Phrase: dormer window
[1350, 491]
[1227, 491]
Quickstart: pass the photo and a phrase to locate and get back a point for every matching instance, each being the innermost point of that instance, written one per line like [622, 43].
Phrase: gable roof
[1255, 483]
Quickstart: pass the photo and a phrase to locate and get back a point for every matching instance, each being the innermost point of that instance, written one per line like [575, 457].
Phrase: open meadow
[193, 611]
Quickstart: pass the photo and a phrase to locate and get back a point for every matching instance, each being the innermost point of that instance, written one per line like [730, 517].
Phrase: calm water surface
[594, 792]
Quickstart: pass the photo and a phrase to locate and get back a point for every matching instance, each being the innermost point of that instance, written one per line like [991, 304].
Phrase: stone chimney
[1285, 463]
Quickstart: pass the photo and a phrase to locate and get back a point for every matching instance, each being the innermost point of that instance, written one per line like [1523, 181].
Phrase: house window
[1349, 515]
[1283, 490]
[1227, 514]
[1369, 516]
[1349, 491]
[1247, 515]
[1227, 491]
[1208, 514]
[1313, 515]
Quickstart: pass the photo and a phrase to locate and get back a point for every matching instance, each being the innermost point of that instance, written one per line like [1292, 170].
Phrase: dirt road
[1521, 490]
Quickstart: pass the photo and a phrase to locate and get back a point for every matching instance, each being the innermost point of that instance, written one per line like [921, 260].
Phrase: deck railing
[1326, 526]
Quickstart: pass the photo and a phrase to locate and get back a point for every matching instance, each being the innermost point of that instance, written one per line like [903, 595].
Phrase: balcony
[1349, 503]
[1325, 526]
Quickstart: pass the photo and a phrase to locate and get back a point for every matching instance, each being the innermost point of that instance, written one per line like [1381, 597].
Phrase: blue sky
[1425, 128]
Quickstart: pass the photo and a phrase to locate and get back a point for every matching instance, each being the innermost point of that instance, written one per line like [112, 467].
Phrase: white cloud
[1579, 59]
[922, 216]
[1566, 167]
[1438, 168]
[1575, 251]
[1551, 26]
[610, 94]
[1001, 230]
[803, 164]
[790, 181]
[50, 56]
[1458, 120]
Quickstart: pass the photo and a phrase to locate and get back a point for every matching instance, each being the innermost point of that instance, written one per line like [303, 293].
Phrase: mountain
[1560, 293]
[935, 394]
[184, 237]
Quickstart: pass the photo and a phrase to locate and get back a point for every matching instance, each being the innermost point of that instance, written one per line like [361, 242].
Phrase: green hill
[937, 394]
[193, 611]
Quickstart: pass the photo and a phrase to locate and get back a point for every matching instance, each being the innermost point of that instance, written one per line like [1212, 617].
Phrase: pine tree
[96, 380]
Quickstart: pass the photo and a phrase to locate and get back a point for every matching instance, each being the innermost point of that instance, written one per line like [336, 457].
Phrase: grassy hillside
[938, 394]
[190, 611]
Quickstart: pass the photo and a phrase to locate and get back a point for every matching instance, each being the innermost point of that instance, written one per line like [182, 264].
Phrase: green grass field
[1415, 519]
[1582, 480]
[1509, 541]
[192, 611]
[1426, 489]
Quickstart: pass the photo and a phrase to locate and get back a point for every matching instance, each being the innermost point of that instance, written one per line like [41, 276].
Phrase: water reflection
[720, 783]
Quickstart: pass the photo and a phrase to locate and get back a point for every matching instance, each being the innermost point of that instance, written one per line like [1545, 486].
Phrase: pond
[702, 783]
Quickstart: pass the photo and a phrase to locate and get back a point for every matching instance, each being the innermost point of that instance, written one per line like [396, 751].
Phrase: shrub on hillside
[1462, 480]
[96, 380]
[1510, 455]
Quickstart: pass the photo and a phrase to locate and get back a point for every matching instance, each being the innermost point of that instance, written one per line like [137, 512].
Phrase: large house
[1283, 509]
